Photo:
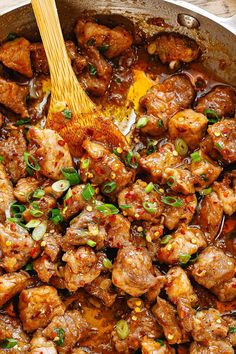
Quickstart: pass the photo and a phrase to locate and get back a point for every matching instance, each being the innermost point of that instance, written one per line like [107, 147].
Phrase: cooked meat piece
[214, 347]
[13, 96]
[150, 346]
[226, 195]
[82, 267]
[50, 150]
[6, 193]
[45, 268]
[221, 99]
[133, 271]
[16, 56]
[180, 180]
[178, 286]
[210, 215]
[111, 42]
[174, 216]
[223, 135]
[205, 171]
[140, 324]
[168, 319]
[188, 125]
[75, 328]
[101, 287]
[37, 307]
[24, 188]
[174, 47]
[143, 206]
[11, 284]
[75, 203]
[103, 166]
[156, 163]
[209, 325]
[186, 313]
[213, 267]
[166, 99]
[231, 322]
[44, 205]
[96, 78]
[40, 345]
[186, 241]
[118, 231]
[17, 247]
[11, 328]
[53, 242]
[154, 126]
[153, 292]
[12, 150]
[226, 291]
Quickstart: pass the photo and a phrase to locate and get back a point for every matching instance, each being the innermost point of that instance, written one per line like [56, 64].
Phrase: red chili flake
[226, 194]
[61, 142]
[112, 218]
[189, 198]
[13, 227]
[34, 252]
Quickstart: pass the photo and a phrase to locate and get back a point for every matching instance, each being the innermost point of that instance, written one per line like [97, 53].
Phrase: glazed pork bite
[226, 192]
[226, 291]
[179, 180]
[6, 193]
[11, 284]
[25, 187]
[40, 345]
[11, 327]
[102, 288]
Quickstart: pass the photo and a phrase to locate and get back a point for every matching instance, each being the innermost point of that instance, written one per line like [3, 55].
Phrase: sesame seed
[136, 215]
[217, 133]
[89, 174]
[175, 153]
[148, 238]
[8, 243]
[181, 119]
[169, 247]
[138, 303]
[152, 48]
[137, 309]
[230, 263]
[56, 339]
[140, 229]
[161, 190]
[157, 233]
[219, 320]
[113, 175]
[134, 318]
[43, 243]
[89, 208]
[194, 241]
[125, 213]
[170, 336]
[119, 150]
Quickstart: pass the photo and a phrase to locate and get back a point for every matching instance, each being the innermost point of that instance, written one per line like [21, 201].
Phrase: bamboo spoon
[66, 92]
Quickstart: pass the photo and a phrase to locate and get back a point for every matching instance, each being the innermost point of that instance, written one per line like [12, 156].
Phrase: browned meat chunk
[112, 42]
[210, 215]
[44, 205]
[82, 267]
[6, 193]
[213, 347]
[223, 135]
[150, 346]
[118, 231]
[231, 322]
[17, 247]
[186, 313]
[133, 271]
[168, 319]
[186, 241]
[11, 328]
[226, 291]
[140, 324]
[226, 194]
[204, 170]
[221, 99]
[37, 307]
[11, 284]
[213, 267]
[53, 242]
[13, 96]
[142, 205]
[25, 187]
[45, 268]
[74, 326]
[173, 216]
[101, 287]
[174, 47]
[188, 125]
[12, 150]
[50, 150]
[75, 203]
[40, 345]
[103, 166]
[166, 99]
[16, 56]
[180, 180]
[178, 286]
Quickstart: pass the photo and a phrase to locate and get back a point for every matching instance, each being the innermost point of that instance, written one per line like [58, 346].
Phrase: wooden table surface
[224, 8]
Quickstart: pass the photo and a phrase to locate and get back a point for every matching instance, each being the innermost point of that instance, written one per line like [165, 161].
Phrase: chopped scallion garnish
[22, 122]
[131, 160]
[184, 258]
[39, 231]
[122, 329]
[109, 187]
[85, 163]
[8, 343]
[172, 201]
[125, 206]
[166, 239]
[88, 192]
[91, 243]
[107, 263]
[71, 175]
[67, 113]
[149, 187]
[149, 207]
[107, 209]
[212, 116]
[55, 216]
[195, 156]
[206, 191]
[92, 69]
[61, 186]
[31, 162]
[61, 335]
[38, 193]
[142, 122]
[171, 181]
[181, 147]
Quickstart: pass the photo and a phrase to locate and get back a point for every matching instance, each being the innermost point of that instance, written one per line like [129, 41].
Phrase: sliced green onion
[103, 48]
[172, 201]
[68, 195]
[39, 231]
[31, 165]
[232, 329]
[85, 163]
[11, 36]
[193, 258]
[29, 267]
[61, 335]
[92, 69]
[9, 343]
[91, 41]
[149, 187]
[61, 186]
[166, 239]
[117, 80]
[195, 156]
[218, 146]
[142, 122]
[212, 116]
[125, 206]
[107, 263]
[184, 258]
[206, 191]
[88, 192]
[160, 123]
[71, 175]
[1, 158]
[109, 187]
[67, 113]
[36, 212]
[171, 181]
[107, 209]
[17, 208]
[122, 329]
[32, 224]
[181, 147]
[149, 207]
[131, 160]
[91, 243]
[160, 341]
[22, 122]
[38, 193]
[151, 147]
[55, 216]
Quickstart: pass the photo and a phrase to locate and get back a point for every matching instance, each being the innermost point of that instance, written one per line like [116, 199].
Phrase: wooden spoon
[66, 92]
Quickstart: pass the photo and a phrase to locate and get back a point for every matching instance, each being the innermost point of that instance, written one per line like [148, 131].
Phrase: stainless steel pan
[216, 36]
